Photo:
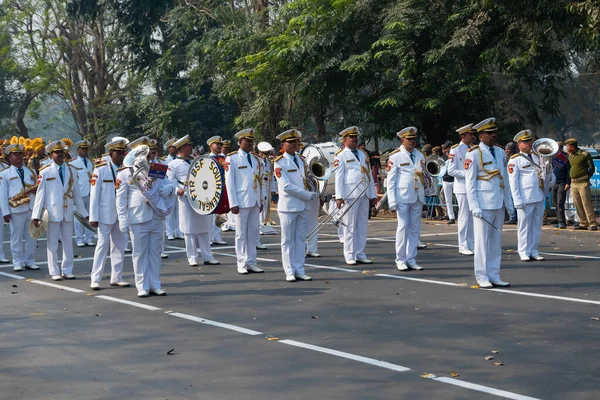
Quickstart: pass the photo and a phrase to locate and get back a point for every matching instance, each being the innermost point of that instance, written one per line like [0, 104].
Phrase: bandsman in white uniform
[351, 169]
[172, 220]
[142, 214]
[58, 193]
[405, 188]
[18, 180]
[243, 184]
[215, 144]
[195, 227]
[294, 195]
[485, 181]
[229, 224]
[84, 167]
[266, 168]
[456, 168]
[153, 159]
[529, 184]
[103, 215]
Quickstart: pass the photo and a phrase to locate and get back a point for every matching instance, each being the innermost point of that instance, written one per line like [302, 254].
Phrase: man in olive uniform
[582, 169]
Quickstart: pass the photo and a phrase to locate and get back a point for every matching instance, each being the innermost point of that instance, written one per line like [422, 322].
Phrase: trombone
[336, 216]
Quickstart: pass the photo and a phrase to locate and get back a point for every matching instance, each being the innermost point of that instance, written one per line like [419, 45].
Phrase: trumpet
[22, 197]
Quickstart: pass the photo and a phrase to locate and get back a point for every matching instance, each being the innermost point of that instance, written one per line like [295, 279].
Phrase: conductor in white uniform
[529, 184]
[243, 183]
[354, 183]
[103, 215]
[486, 187]
[456, 168]
[58, 193]
[14, 180]
[294, 195]
[406, 195]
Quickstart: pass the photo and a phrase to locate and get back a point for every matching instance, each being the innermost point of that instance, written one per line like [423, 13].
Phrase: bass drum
[324, 154]
[206, 186]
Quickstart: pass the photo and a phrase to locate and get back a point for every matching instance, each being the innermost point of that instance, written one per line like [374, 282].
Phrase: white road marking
[131, 303]
[485, 389]
[571, 255]
[407, 278]
[12, 275]
[333, 268]
[546, 296]
[217, 324]
[350, 356]
[54, 285]
[257, 258]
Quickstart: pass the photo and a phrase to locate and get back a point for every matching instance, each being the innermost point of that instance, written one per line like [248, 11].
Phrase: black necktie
[296, 162]
[355, 152]
[85, 162]
[60, 173]
[187, 160]
[412, 157]
[22, 175]
[249, 159]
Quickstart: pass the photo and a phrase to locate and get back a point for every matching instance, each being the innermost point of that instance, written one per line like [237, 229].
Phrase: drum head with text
[205, 186]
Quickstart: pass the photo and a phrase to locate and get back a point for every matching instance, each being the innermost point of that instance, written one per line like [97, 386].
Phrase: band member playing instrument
[195, 227]
[84, 167]
[528, 184]
[103, 215]
[485, 179]
[351, 168]
[58, 193]
[456, 168]
[229, 224]
[406, 195]
[216, 146]
[294, 194]
[17, 189]
[172, 221]
[243, 184]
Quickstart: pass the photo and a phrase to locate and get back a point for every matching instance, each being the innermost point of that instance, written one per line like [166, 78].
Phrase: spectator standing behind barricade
[582, 169]
[509, 150]
[448, 184]
[560, 189]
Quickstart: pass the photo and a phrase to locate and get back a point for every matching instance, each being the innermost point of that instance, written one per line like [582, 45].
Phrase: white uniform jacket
[59, 199]
[485, 177]
[243, 182]
[456, 166]
[132, 206]
[84, 173]
[11, 185]
[405, 181]
[349, 172]
[291, 183]
[526, 184]
[103, 194]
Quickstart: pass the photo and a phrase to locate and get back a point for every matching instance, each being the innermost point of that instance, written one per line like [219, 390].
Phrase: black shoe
[451, 222]
[580, 228]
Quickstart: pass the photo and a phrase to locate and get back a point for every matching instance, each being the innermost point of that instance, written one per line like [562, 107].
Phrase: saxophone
[22, 197]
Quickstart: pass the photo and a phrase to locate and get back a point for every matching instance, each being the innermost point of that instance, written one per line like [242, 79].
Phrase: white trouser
[109, 235]
[340, 228]
[146, 254]
[408, 232]
[22, 245]
[529, 228]
[246, 232]
[172, 222]
[488, 245]
[63, 229]
[163, 235]
[216, 231]
[82, 234]
[195, 242]
[293, 235]
[312, 216]
[355, 232]
[466, 240]
[448, 188]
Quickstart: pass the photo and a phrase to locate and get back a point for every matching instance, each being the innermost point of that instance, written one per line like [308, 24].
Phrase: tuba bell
[137, 160]
[545, 148]
[435, 166]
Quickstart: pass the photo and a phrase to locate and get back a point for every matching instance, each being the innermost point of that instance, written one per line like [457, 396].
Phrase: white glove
[477, 213]
[123, 226]
[314, 196]
[393, 207]
[165, 191]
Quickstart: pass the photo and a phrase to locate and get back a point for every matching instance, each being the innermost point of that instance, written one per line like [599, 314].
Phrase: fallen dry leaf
[454, 374]
[488, 358]
[595, 319]
[427, 375]
[37, 314]
[498, 363]
[495, 351]
[475, 287]
[273, 338]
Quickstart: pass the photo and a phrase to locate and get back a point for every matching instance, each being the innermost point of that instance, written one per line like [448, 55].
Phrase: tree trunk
[320, 125]
[23, 131]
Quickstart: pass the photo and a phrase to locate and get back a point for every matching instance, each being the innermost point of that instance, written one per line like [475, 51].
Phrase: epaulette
[455, 145]
[45, 166]
[163, 158]
[44, 159]
[473, 148]
[101, 164]
[233, 152]
[514, 156]
[393, 152]
[98, 160]
[121, 169]
[497, 145]
[339, 151]
[4, 169]
[278, 158]
[302, 157]
[104, 155]
[256, 156]
[77, 168]
[584, 153]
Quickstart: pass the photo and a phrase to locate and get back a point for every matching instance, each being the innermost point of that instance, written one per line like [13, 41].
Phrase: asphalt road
[364, 332]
